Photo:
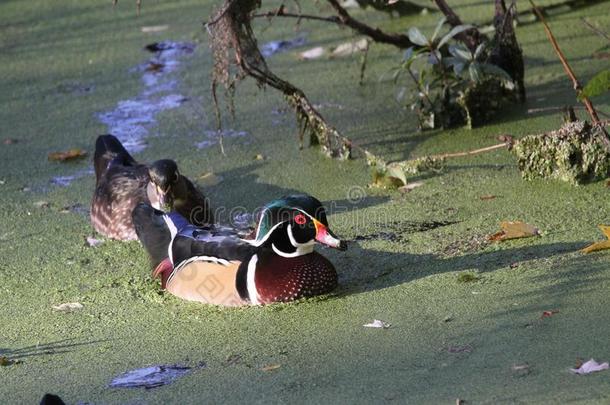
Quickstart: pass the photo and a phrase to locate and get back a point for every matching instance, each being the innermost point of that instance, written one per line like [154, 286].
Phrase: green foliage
[468, 277]
[599, 84]
[575, 153]
[455, 86]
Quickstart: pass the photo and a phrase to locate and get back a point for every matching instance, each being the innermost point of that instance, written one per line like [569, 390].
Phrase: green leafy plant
[455, 86]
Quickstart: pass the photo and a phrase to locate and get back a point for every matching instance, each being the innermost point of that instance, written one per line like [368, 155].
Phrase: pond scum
[575, 153]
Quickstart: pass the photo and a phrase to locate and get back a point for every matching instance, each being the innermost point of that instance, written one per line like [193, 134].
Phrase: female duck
[122, 183]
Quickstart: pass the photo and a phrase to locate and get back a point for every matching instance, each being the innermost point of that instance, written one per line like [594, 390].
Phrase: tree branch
[570, 73]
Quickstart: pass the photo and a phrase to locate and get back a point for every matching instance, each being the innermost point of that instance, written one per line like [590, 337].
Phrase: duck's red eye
[300, 219]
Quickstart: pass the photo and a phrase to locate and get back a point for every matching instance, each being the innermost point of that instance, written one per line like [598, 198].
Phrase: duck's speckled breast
[280, 279]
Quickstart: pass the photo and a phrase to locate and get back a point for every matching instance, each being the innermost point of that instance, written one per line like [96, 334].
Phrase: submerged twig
[570, 73]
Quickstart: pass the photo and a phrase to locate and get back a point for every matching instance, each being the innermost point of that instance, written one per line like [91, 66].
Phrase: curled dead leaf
[71, 154]
[487, 197]
[514, 230]
[605, 244]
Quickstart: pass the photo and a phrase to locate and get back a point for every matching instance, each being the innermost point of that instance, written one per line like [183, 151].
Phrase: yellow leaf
[514, 230]
[605, 244]
[68, 155]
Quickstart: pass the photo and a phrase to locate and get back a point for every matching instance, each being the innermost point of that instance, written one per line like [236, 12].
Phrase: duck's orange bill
[326, 237]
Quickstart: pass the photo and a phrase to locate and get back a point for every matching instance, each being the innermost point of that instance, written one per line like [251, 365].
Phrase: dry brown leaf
[514, 230]
[605, 244]
[271, 367]
[154, 67]
[71, 154]
[487, 197]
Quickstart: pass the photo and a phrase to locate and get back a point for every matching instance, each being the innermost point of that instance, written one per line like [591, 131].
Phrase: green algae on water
[575, 153]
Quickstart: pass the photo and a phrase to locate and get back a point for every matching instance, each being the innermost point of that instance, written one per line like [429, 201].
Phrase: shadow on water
[363, 269]
[45, 349]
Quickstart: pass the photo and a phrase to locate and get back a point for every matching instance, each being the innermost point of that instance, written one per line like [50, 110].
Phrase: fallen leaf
[589, 367]
[601, 55]
[259, 157]
[349, 48]
[377, 324]
[514, 230]
[313, 53]
[546, 314]
[271, 367]
[149, 377]
[154, 28]
[68, 307]
[607, 183]
[410, 186]
[209, 179]
[10, 141]
[71, 154]
[605, 244]
[92, 242]
[487, 197]
[41, 204]
[154, 67]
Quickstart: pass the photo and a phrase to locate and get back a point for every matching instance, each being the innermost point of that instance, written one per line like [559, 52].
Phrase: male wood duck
[214, 265]
[122, 183]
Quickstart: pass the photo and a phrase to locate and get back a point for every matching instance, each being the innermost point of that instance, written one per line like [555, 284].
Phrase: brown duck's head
[164, 178]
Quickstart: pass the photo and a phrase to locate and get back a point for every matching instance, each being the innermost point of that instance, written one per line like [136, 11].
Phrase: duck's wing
[212, 243]
[110, 151]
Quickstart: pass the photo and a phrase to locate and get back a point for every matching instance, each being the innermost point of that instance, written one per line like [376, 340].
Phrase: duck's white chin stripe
[301, 250]
[252, 292]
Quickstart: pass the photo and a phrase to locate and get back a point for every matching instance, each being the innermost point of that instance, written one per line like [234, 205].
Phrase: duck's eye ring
[300, 219]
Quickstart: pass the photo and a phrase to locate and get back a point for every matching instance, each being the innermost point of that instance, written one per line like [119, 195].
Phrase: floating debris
[589, 367]
[273, 47]
[150, 377]
[93, 242]
[154, 28]
[514, 230]
[69, 155]
[68, 307]
[377, 323]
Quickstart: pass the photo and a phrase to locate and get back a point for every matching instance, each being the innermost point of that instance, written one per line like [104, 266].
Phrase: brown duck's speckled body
[214, 265]
[122, 184]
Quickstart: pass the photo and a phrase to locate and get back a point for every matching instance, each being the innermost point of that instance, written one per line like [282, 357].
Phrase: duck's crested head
[299, 220]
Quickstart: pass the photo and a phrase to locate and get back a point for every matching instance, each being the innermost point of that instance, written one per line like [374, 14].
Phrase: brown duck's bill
[326, 237]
